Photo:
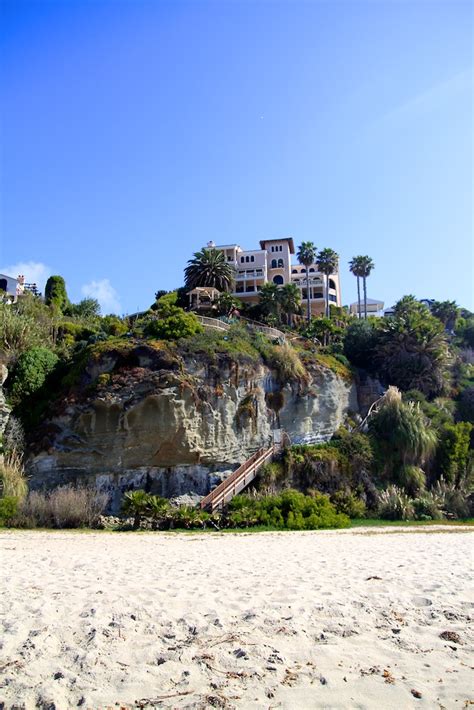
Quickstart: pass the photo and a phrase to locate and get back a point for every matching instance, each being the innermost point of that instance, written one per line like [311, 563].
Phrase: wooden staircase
[237, 481]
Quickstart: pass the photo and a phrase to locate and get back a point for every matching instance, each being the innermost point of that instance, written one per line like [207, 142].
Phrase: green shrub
[289, 510]
[8, 509]
[347, 502]
[360, 343]
[453, 452]
[394, 504]
[427, 507]
[31, 371]
[174, 327]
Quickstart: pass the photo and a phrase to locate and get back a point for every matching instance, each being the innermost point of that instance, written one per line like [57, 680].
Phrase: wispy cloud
[33, 271]
[105, 293]
[434, 97]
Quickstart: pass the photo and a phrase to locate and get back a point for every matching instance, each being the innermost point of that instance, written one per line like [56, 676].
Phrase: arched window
[242, 259]
[294, 271]
[252, 258]
[311, 271]
[247, 259]
[303, 271]
[281, 248]
[274, 264]
[278, 280]
[332, 284]
[280, 263]
[3, 284]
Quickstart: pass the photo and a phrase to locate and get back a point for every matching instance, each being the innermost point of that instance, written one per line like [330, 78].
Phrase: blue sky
[134, 132]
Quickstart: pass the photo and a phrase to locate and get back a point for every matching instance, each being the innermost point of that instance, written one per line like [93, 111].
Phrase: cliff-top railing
[218, 324]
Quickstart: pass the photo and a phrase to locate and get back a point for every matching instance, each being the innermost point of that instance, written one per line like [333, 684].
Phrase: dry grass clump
[12, 477]
[64, 507]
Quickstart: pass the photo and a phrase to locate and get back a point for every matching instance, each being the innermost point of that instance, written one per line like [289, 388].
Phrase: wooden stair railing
[237, 480]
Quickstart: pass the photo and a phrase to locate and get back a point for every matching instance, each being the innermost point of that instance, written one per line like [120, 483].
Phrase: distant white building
[11, 288]
[374, 308]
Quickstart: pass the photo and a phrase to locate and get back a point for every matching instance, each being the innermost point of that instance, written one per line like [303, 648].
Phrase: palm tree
[367, 265]
[355, 267]
[290, 300]
[307, 255]
[327, 264]
[270, 303]
[208, 267]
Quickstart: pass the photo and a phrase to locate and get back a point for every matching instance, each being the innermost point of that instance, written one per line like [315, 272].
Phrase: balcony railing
[244, 275]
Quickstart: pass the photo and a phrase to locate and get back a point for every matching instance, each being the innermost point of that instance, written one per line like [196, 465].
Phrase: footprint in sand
[421, 601]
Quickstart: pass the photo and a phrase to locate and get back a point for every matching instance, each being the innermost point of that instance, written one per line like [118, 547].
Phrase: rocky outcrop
[5, 410]
[172, 425]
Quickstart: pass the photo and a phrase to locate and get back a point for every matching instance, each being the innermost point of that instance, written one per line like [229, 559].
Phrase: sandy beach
[335, 619]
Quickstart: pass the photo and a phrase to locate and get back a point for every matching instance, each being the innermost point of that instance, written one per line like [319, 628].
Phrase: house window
[294, 271]
[274, 264]
[319, 294]
[303, 271]
[332, 284]
[304, 293]
[247, 259]
[242, 259]
[280, 263]
[278, 280]
[229, 258]
[332, 298]
[281, 248]
[311, 271]
[3, 285]
[252, 258]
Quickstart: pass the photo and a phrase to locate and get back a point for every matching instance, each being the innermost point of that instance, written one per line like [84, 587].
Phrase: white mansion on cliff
[272, 264]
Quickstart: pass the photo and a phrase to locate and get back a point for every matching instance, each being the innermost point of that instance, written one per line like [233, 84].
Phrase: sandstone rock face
[173, 430]
[4, 408]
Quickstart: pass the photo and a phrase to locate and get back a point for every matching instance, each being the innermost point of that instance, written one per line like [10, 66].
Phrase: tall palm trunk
[307, 296]
[358, 298]
[365, 297]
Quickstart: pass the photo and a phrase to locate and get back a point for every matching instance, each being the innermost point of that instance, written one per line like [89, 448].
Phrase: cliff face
[171, 424]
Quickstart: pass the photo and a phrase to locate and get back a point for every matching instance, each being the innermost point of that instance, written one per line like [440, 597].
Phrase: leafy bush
[428, 507]
[64, 507]
[360, 344]
[31, 371]
[347, 502]
[290, 510]
[453, 452]
[24, 325]
[394, 504]
[174, 327]
[8, 509]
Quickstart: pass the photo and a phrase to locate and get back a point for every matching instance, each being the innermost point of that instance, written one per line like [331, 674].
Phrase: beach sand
[333, 619]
